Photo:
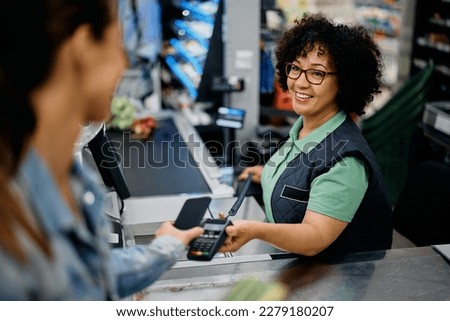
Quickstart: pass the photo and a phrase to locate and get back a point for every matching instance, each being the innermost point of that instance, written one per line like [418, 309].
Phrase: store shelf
[187, 51]
[432, 41]
[387, 20]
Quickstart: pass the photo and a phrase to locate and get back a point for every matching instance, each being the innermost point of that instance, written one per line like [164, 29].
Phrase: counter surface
[398, 274]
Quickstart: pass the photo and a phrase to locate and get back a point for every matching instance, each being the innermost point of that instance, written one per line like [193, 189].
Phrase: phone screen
[192, 213]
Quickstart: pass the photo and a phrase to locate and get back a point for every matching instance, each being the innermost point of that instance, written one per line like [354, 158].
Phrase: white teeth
[303, 96]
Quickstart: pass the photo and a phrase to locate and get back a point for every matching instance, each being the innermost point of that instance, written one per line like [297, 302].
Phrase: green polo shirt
[336, 193]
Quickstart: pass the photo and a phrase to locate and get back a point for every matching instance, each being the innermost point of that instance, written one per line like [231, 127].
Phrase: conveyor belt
[161, 165]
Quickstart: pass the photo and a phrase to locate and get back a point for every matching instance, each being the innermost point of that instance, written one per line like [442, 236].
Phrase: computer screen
[105, 157]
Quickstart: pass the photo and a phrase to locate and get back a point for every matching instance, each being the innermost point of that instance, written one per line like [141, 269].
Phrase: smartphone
[192, 213]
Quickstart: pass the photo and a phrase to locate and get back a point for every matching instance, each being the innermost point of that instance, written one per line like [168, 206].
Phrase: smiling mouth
[302, 96]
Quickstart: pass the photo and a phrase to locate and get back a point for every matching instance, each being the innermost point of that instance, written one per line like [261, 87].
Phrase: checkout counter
[410, 274]
[161, 179]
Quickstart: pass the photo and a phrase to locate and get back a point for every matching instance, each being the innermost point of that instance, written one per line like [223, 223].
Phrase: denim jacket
[83, 266]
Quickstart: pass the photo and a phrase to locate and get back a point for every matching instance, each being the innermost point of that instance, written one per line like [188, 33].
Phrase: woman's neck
[58, 108]
[55, 145]
[311, 123]
[58, 116]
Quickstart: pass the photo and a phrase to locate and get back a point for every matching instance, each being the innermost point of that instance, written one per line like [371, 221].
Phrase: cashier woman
[323, 187]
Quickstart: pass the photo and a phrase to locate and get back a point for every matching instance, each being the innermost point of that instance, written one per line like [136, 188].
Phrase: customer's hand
[255, 170]
[185, 236]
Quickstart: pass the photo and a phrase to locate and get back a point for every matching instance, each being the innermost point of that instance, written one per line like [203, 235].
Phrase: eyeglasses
[313, 76]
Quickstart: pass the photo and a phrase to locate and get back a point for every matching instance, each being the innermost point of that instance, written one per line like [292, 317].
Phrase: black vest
[372, 226]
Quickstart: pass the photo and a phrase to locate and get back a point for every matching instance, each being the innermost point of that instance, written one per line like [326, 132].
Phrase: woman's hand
[241, 232]
[255, 170]
[185, 236]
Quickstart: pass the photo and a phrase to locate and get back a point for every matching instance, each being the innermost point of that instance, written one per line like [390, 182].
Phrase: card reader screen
[213, 227]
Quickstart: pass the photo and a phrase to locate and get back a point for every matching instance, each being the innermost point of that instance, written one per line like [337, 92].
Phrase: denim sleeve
[139, 266]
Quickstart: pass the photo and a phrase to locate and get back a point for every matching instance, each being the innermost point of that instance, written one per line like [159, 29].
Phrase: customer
[323, 187]
[60, 61]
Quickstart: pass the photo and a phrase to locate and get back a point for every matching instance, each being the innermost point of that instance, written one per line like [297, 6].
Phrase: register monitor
[104, 155]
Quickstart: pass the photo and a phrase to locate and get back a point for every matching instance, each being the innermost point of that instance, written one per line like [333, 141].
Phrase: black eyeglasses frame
[289, 65]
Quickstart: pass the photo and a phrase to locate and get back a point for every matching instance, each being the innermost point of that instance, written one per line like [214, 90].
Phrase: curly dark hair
[351, 50]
